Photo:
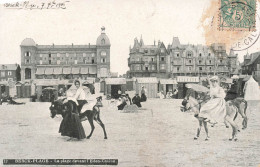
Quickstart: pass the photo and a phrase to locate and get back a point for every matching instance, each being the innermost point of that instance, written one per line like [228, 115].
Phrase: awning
[75, 70]
[48, 71]
[40, 71]
[66, 70]
[57, 71]
[187, 79]
[92, 70]
[147, 80]
[168, 81]
[84, 70]
[115, 81]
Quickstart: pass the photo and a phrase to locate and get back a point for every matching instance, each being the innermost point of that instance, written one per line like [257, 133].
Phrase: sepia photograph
[130, 83]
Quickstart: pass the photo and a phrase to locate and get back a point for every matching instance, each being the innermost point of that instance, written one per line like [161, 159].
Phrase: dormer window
[103, 41]
[162, 58]
[209, 54]
[49, 55]
[200, 54]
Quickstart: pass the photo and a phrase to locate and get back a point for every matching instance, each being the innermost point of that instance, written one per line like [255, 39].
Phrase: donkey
[190, 103]
[59, 107]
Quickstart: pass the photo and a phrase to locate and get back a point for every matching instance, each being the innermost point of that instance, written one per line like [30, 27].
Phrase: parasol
[197, 87]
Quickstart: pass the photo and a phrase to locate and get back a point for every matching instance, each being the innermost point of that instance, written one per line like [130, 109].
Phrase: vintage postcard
[130, 83]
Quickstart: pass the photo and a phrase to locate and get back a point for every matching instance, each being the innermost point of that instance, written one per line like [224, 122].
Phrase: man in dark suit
[137, 100]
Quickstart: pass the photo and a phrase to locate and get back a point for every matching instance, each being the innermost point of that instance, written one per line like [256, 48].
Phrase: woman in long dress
[215, 109]
[71, 124]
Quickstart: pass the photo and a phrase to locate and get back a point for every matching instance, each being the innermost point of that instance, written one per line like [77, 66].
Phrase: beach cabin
[150, 85]
[113, 85]
[167, 85]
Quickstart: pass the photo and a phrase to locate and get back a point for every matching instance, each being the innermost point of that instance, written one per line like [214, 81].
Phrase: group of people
[169, 95]
[71, 124]
[126, 100]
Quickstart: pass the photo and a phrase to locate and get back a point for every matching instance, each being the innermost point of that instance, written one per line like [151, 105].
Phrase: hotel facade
[179, 60]
[63, 62]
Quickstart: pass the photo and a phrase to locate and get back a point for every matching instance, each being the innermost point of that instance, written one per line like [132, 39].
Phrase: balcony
[177, 62]
[135, 62]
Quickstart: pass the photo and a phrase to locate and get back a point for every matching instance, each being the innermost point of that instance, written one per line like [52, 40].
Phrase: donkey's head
[99, 101]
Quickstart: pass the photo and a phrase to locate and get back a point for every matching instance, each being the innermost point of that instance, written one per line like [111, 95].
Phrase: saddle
[81, 104]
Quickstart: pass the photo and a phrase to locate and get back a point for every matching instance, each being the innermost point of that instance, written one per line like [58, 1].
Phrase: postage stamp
[237, 15]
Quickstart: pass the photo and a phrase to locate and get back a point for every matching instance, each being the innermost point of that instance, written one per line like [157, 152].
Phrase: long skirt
[71, 126]
[214, 110]
[143, 98]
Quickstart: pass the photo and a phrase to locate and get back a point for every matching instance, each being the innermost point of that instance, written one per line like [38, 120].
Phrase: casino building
[65, 61]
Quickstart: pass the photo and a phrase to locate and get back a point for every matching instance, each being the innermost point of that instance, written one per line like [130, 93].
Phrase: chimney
[159, 42]
[154, 42]
[53, 45]
[88, 45]
[72, 44]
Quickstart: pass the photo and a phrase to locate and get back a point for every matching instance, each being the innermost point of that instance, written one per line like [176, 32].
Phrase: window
[2, 73]
[58, 54]
[178, 55]
[58, 61]
[27, 54]
[146, 68]
[103, 60]
[40, 61]
[189, 68]
[145, 51]
[49, 55]
[162, 66]
[200, 54]
[220, 61]
[178, 68]
[200, 68]
[209, 54]
[189, 54]
[10, 79]
[49, 61]
[162, 58]
[210, 68]
[152, 59]
[76, 61]
[67, 55]
[162, 50]
[152, 51]
[93, 55]
[138, 59]
[27, 61]
[199, 61]
[189, 61]
[9, 73]
[210, 61]
[84, 54]
[103, 53]
[92, 61]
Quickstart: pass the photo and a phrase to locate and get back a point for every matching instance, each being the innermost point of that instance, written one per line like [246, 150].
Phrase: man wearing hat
[137, 100]
[215, 109]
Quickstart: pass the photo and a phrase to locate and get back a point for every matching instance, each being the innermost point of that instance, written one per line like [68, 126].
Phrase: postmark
[237, 15]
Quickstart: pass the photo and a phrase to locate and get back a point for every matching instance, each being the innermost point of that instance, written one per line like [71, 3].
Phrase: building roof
[102, 37]
[115, 81]
[8, 66]
[147, 80]
[28, 42]
[175, 42]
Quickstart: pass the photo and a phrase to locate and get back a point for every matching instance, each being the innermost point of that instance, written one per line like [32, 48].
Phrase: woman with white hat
[215, 108]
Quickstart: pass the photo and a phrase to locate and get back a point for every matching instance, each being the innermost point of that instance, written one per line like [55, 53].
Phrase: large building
[65, 61]
[179, 60]
[9, 72]
[251, 65]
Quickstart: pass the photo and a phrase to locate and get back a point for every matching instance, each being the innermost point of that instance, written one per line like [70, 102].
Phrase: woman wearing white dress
[215, 109]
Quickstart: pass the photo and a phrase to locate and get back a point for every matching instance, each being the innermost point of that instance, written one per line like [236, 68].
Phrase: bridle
[199, 103]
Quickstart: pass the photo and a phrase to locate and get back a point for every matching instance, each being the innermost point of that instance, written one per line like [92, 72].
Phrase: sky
[124, 20]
